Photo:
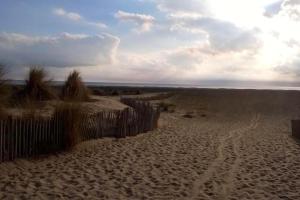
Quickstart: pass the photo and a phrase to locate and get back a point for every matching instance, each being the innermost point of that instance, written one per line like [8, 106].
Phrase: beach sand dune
[237, 145]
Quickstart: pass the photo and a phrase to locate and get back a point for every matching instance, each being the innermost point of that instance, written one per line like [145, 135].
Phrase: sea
[205, 85]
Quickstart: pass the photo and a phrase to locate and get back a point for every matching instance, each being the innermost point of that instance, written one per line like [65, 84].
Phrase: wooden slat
[5, 155]
[12, 139]
[26, 140]
[1, 140]
[31, 138]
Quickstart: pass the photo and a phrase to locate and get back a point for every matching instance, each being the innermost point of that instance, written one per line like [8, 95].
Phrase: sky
[153, 41]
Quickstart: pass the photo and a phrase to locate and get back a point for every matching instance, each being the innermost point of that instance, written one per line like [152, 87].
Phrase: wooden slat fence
[146, 114]
[26, 137]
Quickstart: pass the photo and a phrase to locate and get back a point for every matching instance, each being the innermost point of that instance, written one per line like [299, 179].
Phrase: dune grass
[2, 85]
[37, 87]
[71, 114]
[5, 92]
[4, 88]
[74, 88]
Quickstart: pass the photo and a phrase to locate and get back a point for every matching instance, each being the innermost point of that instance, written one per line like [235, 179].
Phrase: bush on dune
[74, 88]
[37, 87]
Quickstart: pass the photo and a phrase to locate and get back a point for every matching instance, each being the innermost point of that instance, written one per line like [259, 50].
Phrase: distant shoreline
[172, 86]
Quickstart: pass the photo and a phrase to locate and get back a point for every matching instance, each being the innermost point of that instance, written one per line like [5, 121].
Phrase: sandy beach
[237, 145]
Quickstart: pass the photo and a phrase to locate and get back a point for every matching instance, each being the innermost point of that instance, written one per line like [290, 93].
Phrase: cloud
[204, 46]
[291, 8]
[185, 58]
[198, 18]
[292, 2]
[225, 36]
[284, 8]
[222, 36]
[289, 69]
[58, 51]
[76, 17]
[145, 22]
[273, 9]
[189, 63]
[180, 7]
[69, 15]
[212, 39]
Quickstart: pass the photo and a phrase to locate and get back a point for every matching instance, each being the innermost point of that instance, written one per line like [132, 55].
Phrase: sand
[241, 149]
[94, 105]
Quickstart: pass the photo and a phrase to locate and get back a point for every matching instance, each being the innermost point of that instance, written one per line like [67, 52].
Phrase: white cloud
[206, 18]
[59, 51]
[237, 34]
[291, 2]
[291, 8]
[291, 69]
[76, 17]
[69, 15]
[145, 22]
[273, 9]
[243, 40]
[184, 64]
[184, 7]
[222, 36]
[288, 66]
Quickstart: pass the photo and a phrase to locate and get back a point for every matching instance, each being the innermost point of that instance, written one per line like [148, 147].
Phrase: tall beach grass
[74, 88]
[37, 86]
[71, 114]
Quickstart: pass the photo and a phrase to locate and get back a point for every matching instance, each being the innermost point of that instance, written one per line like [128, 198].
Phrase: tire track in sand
[236, 136]
[227, 185]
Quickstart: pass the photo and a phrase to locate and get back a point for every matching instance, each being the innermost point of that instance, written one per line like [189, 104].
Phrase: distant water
[195, 86]
[211, 85]
[254, 87]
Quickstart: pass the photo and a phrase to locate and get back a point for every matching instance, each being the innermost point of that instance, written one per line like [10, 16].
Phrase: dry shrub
[5, 92]
[4, 88]
[74, 88]
[138, 92]
[98, 92]
[37, 86]
[115, 93]
[71, 114]
[166, 107]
